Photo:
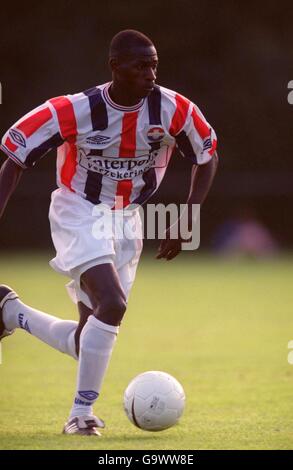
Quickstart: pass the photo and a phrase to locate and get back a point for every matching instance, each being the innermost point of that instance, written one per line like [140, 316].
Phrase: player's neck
[121, 96]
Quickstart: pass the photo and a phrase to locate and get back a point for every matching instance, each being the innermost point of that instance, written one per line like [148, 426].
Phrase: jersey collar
[116, 106]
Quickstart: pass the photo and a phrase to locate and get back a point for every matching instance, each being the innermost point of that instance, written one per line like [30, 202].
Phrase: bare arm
[201, 181]
[10, 174]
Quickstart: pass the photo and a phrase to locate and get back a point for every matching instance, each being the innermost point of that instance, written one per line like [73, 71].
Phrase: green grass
[220, 327]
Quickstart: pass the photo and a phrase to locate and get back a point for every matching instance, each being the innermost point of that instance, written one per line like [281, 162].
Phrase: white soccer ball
[154, 401]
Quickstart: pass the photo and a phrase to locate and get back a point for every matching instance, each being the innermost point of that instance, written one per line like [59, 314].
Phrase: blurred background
[232, 58]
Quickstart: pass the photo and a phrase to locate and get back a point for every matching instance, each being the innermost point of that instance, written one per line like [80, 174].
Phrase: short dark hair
[124, 41]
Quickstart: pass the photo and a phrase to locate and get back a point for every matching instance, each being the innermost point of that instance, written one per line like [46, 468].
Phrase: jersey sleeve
[196, 140]
[32, 136]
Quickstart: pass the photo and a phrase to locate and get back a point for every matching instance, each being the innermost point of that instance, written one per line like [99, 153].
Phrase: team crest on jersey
[155, 134]
[98, 139]
[17, 137]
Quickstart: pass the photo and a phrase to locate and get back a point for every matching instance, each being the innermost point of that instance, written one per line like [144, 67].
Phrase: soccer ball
[154, 401]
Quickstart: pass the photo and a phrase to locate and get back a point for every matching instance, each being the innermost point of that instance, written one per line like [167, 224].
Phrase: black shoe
[6, 294]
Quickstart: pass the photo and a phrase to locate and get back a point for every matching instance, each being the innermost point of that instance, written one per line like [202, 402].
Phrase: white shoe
[84, 425]
[6, 293]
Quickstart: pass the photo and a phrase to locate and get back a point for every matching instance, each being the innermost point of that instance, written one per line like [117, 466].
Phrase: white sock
[51, 330]
[97, 340]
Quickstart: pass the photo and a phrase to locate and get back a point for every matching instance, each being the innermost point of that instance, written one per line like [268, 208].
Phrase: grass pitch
[220, 327]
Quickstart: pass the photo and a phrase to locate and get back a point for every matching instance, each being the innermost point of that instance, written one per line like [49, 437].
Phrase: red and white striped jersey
[106, 150]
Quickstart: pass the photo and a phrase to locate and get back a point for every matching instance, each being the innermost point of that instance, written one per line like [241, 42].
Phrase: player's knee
[112, 309]
[115, 304]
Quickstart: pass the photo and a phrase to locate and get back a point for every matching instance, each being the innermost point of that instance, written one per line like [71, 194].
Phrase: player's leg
[84, 313]
[126, 273]
[79, 297]
[53, 331]
[98, 336]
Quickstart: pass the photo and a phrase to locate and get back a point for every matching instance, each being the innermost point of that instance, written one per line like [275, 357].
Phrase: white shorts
[81, 236]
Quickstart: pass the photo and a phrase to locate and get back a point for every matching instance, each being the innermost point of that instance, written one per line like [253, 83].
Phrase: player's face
[137, 73]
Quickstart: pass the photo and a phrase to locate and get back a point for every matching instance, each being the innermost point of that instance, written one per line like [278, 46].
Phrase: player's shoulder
[76, 99]
[171, 98]
[84, 95]
[171, 95]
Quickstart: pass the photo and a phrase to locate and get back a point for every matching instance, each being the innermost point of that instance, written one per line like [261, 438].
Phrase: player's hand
[169, 248]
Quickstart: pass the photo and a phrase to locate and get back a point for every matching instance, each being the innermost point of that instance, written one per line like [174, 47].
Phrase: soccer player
[114, 144]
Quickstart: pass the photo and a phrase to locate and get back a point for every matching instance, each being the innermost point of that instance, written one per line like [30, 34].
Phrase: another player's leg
[102, 285]
[57, 333]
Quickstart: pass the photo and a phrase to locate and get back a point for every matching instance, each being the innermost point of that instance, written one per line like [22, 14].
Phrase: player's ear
[113, 63]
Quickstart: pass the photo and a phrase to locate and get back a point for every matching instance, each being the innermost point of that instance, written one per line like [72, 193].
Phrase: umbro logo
[88, 394]
[98, 139]
[207, 143]
[17, 137]
[23, 324]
